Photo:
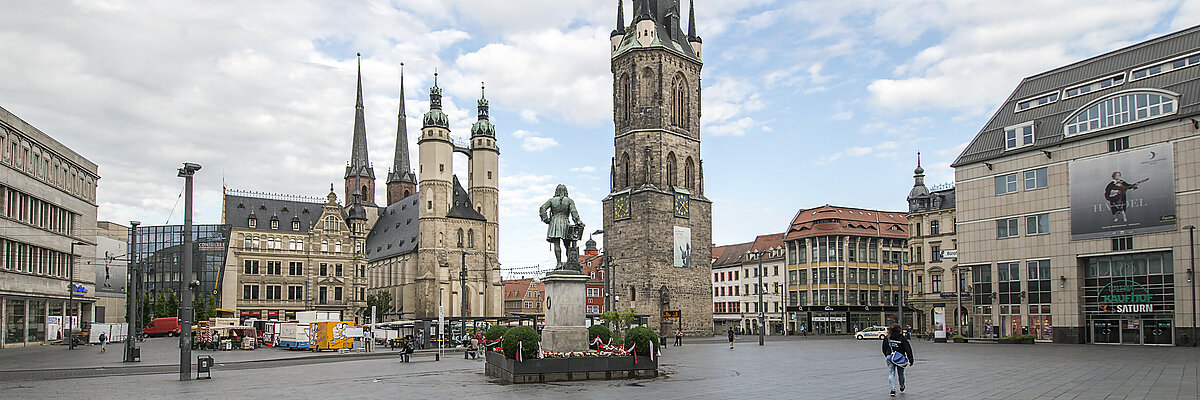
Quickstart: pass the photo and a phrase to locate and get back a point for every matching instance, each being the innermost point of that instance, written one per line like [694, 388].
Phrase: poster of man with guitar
[1115, 194]
[1138, 193]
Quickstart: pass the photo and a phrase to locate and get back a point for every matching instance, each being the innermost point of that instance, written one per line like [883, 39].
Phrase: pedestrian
[405, 350]
[678, 337]
[216, 340]
[103, 341]
[896, 342]
[474, 347]
[730, 338]
[420, 341]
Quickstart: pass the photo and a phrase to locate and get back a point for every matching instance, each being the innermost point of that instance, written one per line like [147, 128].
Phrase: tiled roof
[835, 220]
[1049, 119]
[768, 242]
[239, 209]
[395, 232]
[733, 254]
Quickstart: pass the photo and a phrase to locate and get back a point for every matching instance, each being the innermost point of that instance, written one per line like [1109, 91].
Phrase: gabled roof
[516, 289]
[836, 220]
[1049, 119]
[395, 232]
[461, 208]
[733, 255]
[239, 209]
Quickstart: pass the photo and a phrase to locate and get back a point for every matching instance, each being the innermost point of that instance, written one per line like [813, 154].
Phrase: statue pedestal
[566, 296]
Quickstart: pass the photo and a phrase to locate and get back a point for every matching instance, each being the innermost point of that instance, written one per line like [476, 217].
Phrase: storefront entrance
[1132, 331]
[829, 323]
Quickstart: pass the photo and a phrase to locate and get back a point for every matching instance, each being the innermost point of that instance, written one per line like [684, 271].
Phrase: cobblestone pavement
[784, 368]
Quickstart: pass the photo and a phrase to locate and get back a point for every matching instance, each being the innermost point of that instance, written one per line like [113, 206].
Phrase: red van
[162, 327]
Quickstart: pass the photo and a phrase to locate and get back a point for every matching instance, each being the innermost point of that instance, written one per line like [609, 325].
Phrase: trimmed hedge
[495, 332]
[600, 331]
[641, 337]
[529, 339]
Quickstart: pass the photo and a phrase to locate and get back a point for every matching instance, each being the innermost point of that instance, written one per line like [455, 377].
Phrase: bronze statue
[558, 212]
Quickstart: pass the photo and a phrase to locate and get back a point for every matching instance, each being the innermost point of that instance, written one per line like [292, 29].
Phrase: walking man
[678, 337]
[730, 338]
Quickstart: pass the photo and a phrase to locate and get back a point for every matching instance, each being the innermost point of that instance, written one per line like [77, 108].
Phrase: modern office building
[158, 255]
[844, 268]
[47, 225]
[1074, 200]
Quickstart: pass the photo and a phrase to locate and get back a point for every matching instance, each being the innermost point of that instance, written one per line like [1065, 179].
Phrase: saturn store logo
[1125, 296]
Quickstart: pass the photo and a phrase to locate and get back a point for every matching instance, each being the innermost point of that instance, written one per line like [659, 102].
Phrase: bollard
[204, 366]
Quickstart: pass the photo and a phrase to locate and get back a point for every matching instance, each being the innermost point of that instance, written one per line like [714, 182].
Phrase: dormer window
[252, 222]
[1121, 108]
[295, 225]
[1018, 136]
[274, 224]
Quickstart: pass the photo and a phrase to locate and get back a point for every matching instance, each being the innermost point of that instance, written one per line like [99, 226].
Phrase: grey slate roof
[668, 28]
[238, 210]
[989, 142]
[461, 208]
[395, 232]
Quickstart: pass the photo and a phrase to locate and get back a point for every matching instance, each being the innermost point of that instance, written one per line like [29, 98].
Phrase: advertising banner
[683, 247]
[1125, 193]
[939, 322]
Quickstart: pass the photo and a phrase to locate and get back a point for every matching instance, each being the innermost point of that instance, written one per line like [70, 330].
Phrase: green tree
[382, 302]
[619, 321]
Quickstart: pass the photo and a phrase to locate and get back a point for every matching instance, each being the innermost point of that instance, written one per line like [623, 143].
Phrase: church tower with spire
[657, 220]
[401, 181]
[360, 176]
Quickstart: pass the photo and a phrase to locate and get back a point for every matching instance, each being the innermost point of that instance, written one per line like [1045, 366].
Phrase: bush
[495, 332]
[529, 339]
[957, 337]
[599, 331]
[1018, 338]
[641, 337]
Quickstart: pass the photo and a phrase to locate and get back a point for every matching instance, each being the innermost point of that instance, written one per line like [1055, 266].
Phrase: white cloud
[534, 143]
[735, 128]
[521, 133]
[586, 168]
[528, 115]
[842, 116]
[882, 150]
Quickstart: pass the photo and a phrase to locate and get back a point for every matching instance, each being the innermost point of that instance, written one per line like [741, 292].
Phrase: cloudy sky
[805, 102]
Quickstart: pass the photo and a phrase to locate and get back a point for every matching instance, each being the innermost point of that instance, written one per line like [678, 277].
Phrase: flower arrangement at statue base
[617, 352]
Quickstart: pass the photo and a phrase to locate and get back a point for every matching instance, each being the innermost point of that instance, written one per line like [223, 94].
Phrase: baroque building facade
[658, 221]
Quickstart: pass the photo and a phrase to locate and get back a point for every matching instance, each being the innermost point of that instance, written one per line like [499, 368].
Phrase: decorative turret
[435, 117]
[656, 24]
[360, 177]
[693, 38]
[918, 197]
[483, 127]
[620, 30]
[401, 181]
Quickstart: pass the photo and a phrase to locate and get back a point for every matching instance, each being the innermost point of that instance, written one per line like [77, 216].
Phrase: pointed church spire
[359, 161]
[483, 127]
[401, 168]
[620, 30]
[692, 37]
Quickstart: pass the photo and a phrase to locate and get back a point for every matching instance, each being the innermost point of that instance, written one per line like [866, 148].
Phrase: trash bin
[204, 366]
[662, 341]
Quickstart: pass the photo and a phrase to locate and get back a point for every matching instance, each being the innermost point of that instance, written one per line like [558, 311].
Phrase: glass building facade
[159, 258]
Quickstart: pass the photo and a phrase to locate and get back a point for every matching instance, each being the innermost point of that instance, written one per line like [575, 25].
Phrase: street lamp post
[131, 288]
[462, 276]
[607, 268]
[762, 326]
[71, 298]
[1192, 276]
[900, 303]
[187, 282]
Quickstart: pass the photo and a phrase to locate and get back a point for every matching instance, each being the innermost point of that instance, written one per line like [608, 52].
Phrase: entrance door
[1131, 331]
[1157, 331]
[1106, 331]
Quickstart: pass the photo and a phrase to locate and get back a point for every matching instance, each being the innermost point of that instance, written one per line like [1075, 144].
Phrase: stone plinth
[566, 296]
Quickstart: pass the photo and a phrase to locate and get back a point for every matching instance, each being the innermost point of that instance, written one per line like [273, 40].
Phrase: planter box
[1021, 341]
[568, 369]
[960, 340]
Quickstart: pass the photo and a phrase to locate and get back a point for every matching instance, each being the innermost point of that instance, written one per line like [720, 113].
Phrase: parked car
[162, 327]
[871, 333]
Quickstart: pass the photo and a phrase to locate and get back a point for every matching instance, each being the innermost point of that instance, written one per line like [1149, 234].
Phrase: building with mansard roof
[1074, 200]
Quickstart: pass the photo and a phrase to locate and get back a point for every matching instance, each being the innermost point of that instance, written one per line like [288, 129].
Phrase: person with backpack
[899, 355]
[103, 341]
[730, 338]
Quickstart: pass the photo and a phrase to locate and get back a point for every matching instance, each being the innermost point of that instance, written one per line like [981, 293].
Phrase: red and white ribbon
[520, 350]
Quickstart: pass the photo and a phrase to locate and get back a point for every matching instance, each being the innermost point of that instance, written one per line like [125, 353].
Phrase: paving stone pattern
[784, 368]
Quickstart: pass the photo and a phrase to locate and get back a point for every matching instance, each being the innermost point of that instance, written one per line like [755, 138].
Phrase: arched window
[679, 102]
[671, 181]
[337, 247]
[625, 170]
[324, 245]
[1121, 108]
[646, 86]
[460, 238]
[471, 238]
[626, 104]
[689, 174]
[407, 193]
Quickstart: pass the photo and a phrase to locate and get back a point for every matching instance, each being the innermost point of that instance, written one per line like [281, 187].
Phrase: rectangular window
[935, 253]
[1118, 144]
[1018, 136]
[935, 282]
[323, 295]
[593, 292]
[1122, 243]
[1036, 179]
[934, 228]
[1006, 228]
[337, 293]
[337, 270]
[1006, 184]
[324, 269]
[1037, 224]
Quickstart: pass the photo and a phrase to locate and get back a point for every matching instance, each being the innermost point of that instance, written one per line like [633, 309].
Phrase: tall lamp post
[131, 288]
[1192, 276]
[71, 298]
[761, 314]
[188, 282]
[462, 276]
[607, 268]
